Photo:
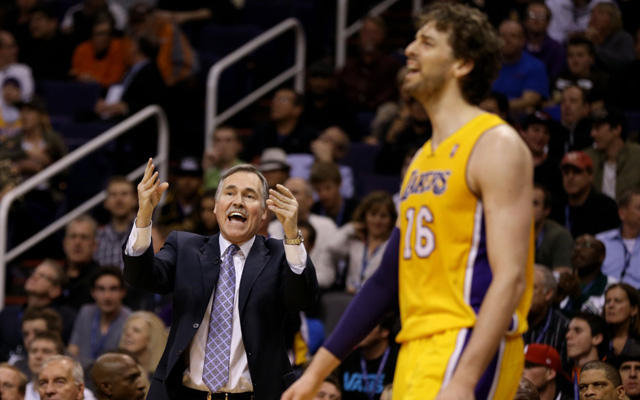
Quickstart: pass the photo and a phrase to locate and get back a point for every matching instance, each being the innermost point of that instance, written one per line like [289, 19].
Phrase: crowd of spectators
[569, 83]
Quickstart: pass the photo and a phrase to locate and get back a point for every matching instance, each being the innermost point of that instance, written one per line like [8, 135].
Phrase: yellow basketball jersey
[444, 270]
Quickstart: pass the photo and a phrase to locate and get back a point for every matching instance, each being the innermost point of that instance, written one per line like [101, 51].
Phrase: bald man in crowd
[117, 377]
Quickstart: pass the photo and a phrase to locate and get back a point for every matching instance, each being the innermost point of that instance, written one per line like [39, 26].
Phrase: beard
[427, 87]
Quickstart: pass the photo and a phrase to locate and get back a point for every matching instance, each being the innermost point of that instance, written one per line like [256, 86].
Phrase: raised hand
[149, 193]
[284, 205]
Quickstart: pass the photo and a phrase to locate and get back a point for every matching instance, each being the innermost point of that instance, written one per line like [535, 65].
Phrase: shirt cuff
[296, 257]
[139, 240]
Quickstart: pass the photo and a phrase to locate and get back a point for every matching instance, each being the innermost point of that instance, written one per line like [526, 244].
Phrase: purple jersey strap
[378, 296]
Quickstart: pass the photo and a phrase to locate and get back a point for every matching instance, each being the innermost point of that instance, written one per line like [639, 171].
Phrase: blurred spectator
[542, 366]
[569, 16]
[11, 68]
[80, 19]
[586, 286]
[330, 147]
[10, 124]
[98, 326]
[616, 162]
[410, 129]
[145, 336]
[79, 245]
[622, 243]
[140, 87]
[121, 202]
[580, 71]
[61, 378]
[554, 243]
[583, 210]
[628, 363]
[208, 225]
[43, 289]
[539, 44]
[375, 356]
[17, 19]
[614, 46]
[13, 383]
[388, 111]
[498, 104]
[621, 314]
[537, 129]
[99, 59]
[522, 78]
[362, 242]
[329, 389]
[48, 51]
[35, 321]
[626, 84]
[547, 325]
[274, 166]
[325, 228]
[227, 146]
[574, 116]
[326, 181]
[175, 58]
[43, 346]
[324, 106]
[117, 377]
[586, 339]
[369, 79]
[181, 208]
[285, 128]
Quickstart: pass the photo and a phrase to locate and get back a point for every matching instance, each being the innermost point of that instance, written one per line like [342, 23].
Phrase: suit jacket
[188, 265]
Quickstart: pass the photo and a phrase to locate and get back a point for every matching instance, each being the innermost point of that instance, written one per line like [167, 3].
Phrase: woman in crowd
[145, 336]
[362, 241]
[621, 314]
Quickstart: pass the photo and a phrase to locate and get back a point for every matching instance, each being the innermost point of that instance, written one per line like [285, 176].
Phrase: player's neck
[592, 355]
[448, 113]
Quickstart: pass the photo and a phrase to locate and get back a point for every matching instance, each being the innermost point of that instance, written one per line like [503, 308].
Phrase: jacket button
[195, 326]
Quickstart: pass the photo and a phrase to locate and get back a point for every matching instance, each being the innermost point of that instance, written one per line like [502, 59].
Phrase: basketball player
[460, 262]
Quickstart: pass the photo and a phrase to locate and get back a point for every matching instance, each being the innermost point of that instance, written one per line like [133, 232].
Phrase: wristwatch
[296, 240]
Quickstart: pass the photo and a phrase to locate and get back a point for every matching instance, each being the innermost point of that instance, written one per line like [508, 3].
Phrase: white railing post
[213, 119]
[160, 160]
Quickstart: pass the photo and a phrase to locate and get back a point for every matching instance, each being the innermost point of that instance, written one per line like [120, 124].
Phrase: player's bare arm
[500, 173]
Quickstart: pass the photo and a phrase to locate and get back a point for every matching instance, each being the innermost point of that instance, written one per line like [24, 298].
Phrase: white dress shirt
[239, 376]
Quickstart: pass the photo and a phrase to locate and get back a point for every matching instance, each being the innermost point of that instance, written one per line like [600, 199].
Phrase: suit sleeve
[299, 291]
[153, 273]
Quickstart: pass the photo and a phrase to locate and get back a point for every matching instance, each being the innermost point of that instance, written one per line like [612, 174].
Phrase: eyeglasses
[583, 245]
[46, 277]
[534, 15]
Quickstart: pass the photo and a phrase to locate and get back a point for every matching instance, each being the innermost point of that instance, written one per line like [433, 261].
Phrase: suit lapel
[210, 264]
[257, 260]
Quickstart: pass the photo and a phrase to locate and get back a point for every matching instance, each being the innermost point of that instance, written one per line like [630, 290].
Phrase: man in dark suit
[224, 347]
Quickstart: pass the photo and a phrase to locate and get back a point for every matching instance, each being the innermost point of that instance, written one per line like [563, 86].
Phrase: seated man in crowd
[35, 321]
[600, 380]
[554, 243]
[542, 366]
[575, 106]
[180, 210]
[586, 340]
[98, 327]
[13, 383]
[537, 130]
[61, 378]
[616, 162]
[225, 153]
[628, 363]
[622, 246]
[117, 377]
[585, 287]
[79, 245]
[539, 44]
[326, 180]
[583, 210]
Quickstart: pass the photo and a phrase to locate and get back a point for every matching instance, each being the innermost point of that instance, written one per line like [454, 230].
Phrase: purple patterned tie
[217, 353]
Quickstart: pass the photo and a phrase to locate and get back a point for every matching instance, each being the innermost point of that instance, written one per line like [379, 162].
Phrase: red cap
[578, 159]
[542, 354]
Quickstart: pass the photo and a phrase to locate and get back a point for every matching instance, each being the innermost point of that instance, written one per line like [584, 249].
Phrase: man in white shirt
[226, 343]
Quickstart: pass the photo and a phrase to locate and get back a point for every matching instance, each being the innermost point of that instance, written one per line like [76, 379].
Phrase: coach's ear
[462, 68]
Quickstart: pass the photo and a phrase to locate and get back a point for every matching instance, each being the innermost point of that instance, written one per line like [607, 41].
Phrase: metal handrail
[343, 31]
[213, 119]
[160, 160]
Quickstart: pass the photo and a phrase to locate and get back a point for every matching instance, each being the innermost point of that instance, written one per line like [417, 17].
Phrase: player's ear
[462, 68]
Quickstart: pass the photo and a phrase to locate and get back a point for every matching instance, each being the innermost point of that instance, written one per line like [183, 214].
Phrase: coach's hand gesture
[149, 193]
[284, 205]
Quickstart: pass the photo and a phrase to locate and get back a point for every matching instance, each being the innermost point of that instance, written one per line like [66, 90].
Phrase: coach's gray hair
[250, 169]
[76, 371]
[550, 283]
